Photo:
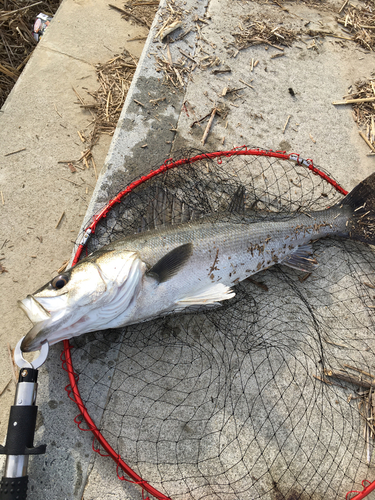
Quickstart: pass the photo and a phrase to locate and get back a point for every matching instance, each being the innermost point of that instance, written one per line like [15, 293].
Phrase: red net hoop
[72, 388]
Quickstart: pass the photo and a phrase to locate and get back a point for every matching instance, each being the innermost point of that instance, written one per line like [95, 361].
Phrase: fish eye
[60, 281]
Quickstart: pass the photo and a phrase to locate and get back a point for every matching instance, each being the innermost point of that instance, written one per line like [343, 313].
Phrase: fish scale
[254, 245]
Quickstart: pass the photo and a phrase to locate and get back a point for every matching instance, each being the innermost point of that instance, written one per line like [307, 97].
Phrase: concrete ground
[41, 118]
[35, 193]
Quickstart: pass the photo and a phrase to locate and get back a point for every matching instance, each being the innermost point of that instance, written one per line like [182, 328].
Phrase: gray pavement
[319, 73]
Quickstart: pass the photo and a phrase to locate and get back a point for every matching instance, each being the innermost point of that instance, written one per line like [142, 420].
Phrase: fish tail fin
[361, 223]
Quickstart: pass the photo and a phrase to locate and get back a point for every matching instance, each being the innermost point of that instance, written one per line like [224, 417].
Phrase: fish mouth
[49, 327]
[42, 321]
[35, 338]
[34, 310]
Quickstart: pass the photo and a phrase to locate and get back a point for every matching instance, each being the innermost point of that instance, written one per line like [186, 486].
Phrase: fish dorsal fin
[211, 294]
[301, 259]
[172, 262]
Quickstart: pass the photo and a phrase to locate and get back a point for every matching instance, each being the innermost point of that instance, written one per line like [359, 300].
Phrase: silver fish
[192, 264]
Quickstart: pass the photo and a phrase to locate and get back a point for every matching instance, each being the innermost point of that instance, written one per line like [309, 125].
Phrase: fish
[185, 266]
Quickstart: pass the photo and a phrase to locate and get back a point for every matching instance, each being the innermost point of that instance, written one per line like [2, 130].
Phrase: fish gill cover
[264, 397]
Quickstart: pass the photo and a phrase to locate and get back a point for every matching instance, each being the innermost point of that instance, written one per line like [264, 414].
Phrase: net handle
[167, 165]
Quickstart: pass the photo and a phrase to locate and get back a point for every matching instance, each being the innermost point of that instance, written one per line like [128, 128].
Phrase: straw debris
[360, 22]
[364, 112]
[114, 77]
[170, 23]
[138, 12]
[263, 32]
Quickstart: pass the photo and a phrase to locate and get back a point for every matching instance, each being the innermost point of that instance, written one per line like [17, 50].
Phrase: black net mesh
[261, 397]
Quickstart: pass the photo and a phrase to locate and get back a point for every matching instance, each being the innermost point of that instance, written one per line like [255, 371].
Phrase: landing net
[264, 397]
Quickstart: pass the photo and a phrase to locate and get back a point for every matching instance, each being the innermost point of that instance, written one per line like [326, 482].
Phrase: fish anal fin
[172, 262]
[301, 259]
[207, 296]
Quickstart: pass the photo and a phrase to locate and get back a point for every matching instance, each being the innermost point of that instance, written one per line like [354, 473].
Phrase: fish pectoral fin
[206, 296]
[171, 263]
[301, 259]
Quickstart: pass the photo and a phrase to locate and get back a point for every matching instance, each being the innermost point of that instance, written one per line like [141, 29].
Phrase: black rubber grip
[13, 488]
[21, 428]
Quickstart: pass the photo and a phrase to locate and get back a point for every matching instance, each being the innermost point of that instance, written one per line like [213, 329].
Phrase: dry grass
[16, 40]
[114, 77]
[364, 112]
[255, 32]
[139, 11]
[360, 23]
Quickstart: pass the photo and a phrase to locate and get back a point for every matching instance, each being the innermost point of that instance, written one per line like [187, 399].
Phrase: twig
[94, 165]
[15, 152]
[61, 218]
[141, 4]
[14, 371]
[84, 154]
[335, 343]
[286, 123]
[359, 370]
[72, 182]
[5, 15]
[62, 267]
[6, 385]
[354, 101]
[368, 423]
[155, 101]
[79, 97]
[169, 29]
[200, 119]
[8, 72]
[136, 38]
[129, 14]
[72, 162]
[54, 105]
[343, 6]
[323, 380]
[347, 378]
[366, 141]
[274, 56]
[206, 132]
[179, 77]
[169, 55]
[186, 55]
[81, 136]
[247, 84]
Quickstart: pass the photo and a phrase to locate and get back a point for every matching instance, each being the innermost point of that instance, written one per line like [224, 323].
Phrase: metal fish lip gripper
[21, 427]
